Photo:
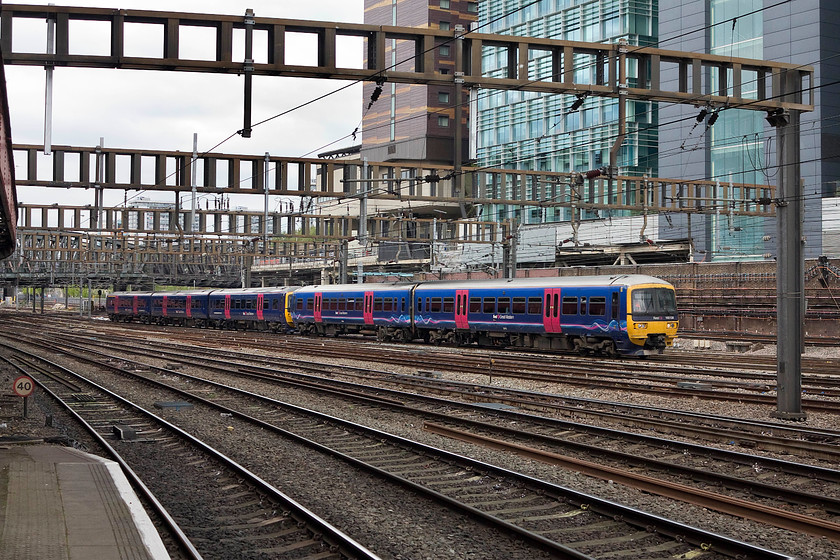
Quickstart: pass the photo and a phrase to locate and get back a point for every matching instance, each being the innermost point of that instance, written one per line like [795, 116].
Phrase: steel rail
[604, 507]
[718, 502]
[184, 543]
[349, 547]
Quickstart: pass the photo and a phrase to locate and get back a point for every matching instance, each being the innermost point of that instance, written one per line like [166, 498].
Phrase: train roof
[208, 291]
[378, 286]
[627, 280]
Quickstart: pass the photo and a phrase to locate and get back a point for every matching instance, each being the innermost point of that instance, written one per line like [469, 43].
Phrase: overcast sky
[162, 110]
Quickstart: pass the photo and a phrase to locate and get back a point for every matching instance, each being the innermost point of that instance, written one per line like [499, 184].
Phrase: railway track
[751, 434]
[688, 463]
[248, 516]
[658, 378]
[568, 524]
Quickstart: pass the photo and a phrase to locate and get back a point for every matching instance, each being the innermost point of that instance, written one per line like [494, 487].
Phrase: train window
[518, 305]
[598, 306]
[377, 304]
[489, 305]
[570, 306]
[504, 305]
[342, 304]
[535, 305]
[475, 304]
[583, 305]
[275, 304]
[615, 305]
[310, 304]
[388, 304]
[403, 305]
[360, 304]
[419, 305]
[298, 304]
[448, 305]
[436, 305]
[428, 305]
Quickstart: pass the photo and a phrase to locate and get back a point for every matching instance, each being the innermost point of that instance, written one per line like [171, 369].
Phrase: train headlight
[671, 325]
[641, 325]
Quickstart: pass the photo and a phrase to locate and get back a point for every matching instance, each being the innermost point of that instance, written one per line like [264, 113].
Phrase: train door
[461, 309]
[551, 310]
[227, 306]
[368, 308]
[189, 307]
[288, 301]
[134, 305]
[319, 298]
[165, 301]
[260, 299]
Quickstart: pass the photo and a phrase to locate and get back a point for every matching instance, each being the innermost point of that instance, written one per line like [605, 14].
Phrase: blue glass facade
[525, 130]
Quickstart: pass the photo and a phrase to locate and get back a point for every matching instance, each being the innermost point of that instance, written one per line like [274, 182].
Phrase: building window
[444, 25]
[443, 97]
[472, 7]
[444, 50]
[444, 4]
[443, 121]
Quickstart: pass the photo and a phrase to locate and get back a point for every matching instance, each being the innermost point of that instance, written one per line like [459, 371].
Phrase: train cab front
[652, 321]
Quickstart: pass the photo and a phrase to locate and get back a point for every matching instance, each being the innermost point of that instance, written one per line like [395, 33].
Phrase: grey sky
[162, 110]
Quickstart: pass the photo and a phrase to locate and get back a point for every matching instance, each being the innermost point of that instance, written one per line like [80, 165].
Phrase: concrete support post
[458, 156]
[790, 266]
[193, 183]
[265, 210]
[342, 262]
[48, 88]
[248, 70]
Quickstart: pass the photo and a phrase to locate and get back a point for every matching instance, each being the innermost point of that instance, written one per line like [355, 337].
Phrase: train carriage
[381, 309]
[260, 308]
[183, 308]
[128, 306]
[629, 315]
[583, 314]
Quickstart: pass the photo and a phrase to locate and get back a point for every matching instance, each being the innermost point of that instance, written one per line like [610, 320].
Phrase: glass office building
[525, 130]
[741, 146]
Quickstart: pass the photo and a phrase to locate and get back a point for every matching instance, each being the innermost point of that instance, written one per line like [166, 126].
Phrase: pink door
[227, 306]
[461, 309]
[134, 305]
[368, 308]
[551, 310]
[165, 298]
[189, 306]
[318, 299]
[260, 299]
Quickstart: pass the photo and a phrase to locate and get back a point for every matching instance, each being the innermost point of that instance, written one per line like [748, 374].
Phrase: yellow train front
[651, 315]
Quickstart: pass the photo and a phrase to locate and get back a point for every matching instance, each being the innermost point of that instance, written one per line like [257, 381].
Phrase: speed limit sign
[24, 386]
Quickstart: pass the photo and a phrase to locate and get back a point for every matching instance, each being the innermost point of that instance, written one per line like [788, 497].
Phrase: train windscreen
[654, 304]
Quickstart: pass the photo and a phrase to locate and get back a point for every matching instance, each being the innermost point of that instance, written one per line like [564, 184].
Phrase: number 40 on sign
[24, 386]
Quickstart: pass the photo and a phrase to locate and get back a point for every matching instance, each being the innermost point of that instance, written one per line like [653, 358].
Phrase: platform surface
[58, 503]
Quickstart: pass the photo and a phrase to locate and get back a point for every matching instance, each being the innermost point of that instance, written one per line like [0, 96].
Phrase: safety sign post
[23, 387]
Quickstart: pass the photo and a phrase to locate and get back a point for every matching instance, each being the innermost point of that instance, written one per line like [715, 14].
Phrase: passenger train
[627, 315]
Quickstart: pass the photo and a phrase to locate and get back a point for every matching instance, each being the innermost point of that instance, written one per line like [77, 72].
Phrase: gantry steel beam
[418, 183]
[544, 65]
[250, 227]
